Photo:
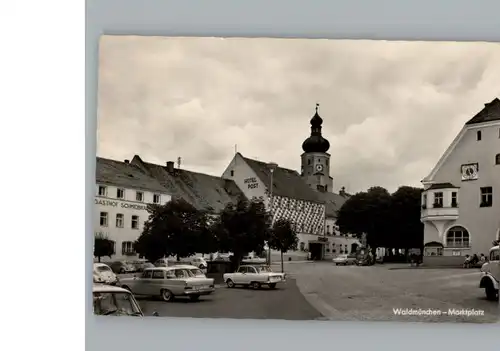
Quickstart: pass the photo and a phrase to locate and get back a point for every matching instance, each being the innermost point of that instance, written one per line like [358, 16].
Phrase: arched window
[497, 159]
[457, 237]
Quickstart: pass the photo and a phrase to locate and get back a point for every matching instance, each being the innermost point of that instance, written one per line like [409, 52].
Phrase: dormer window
[479, 135]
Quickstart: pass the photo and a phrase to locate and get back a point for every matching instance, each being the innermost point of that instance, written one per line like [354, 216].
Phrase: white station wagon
[169, 282]
[254, 276]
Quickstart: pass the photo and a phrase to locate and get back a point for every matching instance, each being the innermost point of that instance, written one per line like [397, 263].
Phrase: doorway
[316, 250]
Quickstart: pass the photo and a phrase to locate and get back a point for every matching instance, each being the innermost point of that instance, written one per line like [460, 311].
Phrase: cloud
[390, 109]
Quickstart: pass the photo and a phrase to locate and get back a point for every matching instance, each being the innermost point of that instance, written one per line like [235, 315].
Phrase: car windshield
[103, 269]
[265, 269]
[115, 304]
[196, 272]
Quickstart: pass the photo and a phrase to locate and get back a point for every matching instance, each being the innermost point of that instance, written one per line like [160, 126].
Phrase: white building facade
[120, 205]
[461, 200]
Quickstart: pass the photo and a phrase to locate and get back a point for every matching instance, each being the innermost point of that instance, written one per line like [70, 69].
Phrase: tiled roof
[125, 175]
[286, 182]
[442, 186]
[333, 202]
[490, 112]
[203, 191]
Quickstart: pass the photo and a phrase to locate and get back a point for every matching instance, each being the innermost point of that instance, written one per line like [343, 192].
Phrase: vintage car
[122, 267]
[490, 274]
[199, 262]
[344, 260]
[115, 301]
[254, 276]
[168, 283]
[102, 273]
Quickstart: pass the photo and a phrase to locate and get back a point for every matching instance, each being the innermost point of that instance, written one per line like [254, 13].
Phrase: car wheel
[167, 295]
[230, 283]
[194, 297]
[272, 285]
[255, 285]
[491, 293]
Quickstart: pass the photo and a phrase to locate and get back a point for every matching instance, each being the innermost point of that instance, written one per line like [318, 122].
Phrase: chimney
[170, 166]
[127, 161]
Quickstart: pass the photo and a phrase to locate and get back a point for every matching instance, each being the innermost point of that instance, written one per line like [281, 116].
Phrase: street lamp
[272, 167]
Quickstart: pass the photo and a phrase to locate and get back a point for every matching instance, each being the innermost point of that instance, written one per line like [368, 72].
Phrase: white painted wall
[128, 207]
[482, 223]
[245, 178]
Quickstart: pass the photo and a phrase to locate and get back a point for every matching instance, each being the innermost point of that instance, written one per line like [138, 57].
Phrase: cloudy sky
[390, 109]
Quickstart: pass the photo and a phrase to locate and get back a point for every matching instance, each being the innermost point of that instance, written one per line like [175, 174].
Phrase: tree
[242, 227]
[367, 212]
[103, 246]
[283, 238]
[408, 230]
[172, 229]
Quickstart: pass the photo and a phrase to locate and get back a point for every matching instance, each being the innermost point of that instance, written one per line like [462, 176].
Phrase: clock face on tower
[319, 168]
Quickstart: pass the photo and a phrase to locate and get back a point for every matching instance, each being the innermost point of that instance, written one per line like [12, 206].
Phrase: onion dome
[316, 142]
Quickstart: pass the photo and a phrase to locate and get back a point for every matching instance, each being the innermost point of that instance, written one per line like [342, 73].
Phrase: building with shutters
[122, 192]
[124, 188]
[461, 198]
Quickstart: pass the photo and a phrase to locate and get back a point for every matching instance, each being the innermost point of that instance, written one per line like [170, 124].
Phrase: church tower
[315, 168]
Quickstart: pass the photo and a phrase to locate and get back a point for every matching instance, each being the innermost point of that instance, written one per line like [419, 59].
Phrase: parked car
[195, 261]
[490, 274]
[168, 283]
[139, 266]
[122, 267]
[115, 301]
[102, 273]
[162, 262]
[254, 276]
[344, 260]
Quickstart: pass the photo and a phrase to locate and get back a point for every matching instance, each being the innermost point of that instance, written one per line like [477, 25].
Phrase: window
[495, 255]
[135, 222]
[120, 193]
[139, 196]
[454, 202]
[479, 135]
[181, 273]
[158, 274]
[302, 246]
[119, 220]
[424, 201]
[103, 219]
[438, 200]
[457, 237]
[147, 274]
[326, 162]
[156, 198]
[170, 274]
[232, 173]
[309, 162]
[102, 190]
[327, 229]
[242, 270]
[497, 159]
[251, 270]
[128, 248]
[486, 196]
